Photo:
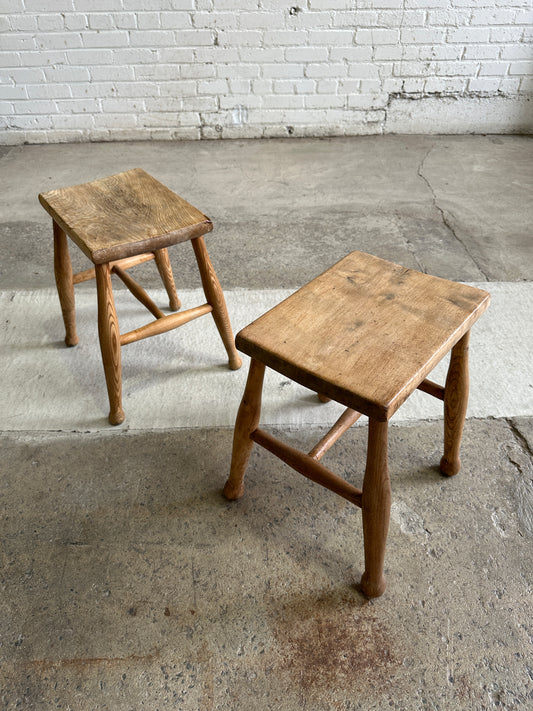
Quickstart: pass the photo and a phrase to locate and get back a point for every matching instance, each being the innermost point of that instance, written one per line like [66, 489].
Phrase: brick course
[110, 69]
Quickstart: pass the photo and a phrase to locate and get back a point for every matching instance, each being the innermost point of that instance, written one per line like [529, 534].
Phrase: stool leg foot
[165, 270]
[247, 421]
[109, 334]
[455, 404]
[215, 297]
[376, 508]
[65, 285]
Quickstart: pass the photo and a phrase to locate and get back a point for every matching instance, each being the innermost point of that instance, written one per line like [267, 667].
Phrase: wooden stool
[365, 333]
[119, 222]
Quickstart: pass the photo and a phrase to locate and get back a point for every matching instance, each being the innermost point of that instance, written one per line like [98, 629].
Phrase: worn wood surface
[109, 335]
[118, 222]
[123, 215]
[138, 292]
[455, 404]
[215, 296]
[165, 271]
[126, 263]
[308, 466]
[65, 284]
[431, 388]
[165, 323]
[345, 421]
[365, 333]
[246, 423]
[376, 508]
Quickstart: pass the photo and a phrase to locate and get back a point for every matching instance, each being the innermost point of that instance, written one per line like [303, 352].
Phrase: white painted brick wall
[74, 70]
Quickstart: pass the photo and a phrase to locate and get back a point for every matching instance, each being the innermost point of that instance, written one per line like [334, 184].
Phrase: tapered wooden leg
[165, 270]
[376, 508]
[65, 285]
[109, 334]
[455, 404]
[215, 297]
[246, 423]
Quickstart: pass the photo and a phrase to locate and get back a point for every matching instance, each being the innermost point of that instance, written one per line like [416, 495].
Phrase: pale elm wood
[126, 263]
[308, 466]
[124, 215]
[108, 331]
[65, 285]
[119, 222]
[431, 388]
[215, 296]
[138, 292]
[166, 323]
[345, 421]
[455, 404]
[129, 262]
[364, 333]
[246, 422]
[376, 508]
[85, 275]
[165, 270]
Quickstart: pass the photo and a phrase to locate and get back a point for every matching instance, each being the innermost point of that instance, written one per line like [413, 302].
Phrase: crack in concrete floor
[445, 218]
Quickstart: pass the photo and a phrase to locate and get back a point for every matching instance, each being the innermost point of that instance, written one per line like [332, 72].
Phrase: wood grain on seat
[366, 332]
[123, 215]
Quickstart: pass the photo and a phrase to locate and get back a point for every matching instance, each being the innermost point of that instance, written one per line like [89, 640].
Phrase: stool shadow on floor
[329, 534]
[121, 530]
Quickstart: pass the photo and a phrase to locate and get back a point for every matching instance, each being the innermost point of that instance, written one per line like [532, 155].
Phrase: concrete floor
[128, 582]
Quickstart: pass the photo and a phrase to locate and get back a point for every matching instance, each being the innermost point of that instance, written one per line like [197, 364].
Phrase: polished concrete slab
[181, 379]
[128, 582]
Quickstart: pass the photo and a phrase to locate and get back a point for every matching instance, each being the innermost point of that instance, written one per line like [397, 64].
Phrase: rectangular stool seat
[365, 333]
[124, 215]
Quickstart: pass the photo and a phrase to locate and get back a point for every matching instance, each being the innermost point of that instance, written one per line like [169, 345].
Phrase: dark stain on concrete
[83, 662]
[333, 641]
[464, 692]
